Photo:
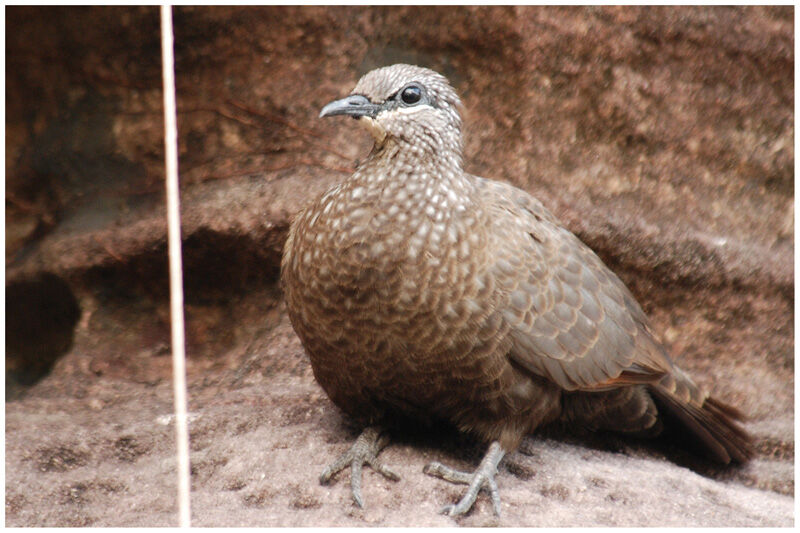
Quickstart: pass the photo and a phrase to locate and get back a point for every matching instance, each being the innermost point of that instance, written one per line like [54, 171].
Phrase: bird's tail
[714, 424]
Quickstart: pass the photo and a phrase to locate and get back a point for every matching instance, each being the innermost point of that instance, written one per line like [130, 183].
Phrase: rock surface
[662, 136]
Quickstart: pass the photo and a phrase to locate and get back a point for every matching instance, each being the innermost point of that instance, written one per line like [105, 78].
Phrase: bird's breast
[385, 261]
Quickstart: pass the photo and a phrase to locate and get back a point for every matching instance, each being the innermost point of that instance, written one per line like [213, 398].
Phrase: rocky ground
[662, 136]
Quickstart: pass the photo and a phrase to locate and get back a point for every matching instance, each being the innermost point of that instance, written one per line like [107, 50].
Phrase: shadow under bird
[423, 293]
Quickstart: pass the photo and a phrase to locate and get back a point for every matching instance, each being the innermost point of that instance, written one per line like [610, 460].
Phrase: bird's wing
[571, 319]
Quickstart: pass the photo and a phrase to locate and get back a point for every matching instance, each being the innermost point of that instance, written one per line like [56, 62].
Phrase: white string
[175, 266]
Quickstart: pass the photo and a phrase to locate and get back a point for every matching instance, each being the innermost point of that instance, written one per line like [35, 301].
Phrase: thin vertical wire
[175, 266]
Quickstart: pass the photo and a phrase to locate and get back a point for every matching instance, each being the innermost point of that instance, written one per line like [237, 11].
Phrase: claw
[364, 450]
[481, 479]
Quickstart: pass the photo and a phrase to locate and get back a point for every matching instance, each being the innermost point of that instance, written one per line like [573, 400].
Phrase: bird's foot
[482, 478]
[365, 450]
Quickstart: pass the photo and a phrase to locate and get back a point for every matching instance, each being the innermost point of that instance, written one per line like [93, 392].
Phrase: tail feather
[727, 410]
[714, 424]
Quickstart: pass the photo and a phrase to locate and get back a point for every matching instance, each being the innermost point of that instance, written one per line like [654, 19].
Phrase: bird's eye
[411, 95]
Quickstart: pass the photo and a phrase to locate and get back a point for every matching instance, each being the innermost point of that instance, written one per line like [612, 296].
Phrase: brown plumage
[422, 292]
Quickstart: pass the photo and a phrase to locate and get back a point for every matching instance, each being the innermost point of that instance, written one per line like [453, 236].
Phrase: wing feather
[586, 331]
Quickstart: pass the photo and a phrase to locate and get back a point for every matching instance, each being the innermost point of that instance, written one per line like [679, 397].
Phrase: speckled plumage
[424, 292]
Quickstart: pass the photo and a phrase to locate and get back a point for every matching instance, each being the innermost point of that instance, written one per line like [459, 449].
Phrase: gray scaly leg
[365, 450]
[482, 478]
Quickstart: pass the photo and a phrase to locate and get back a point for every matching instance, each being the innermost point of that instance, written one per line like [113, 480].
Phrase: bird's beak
[354, 105]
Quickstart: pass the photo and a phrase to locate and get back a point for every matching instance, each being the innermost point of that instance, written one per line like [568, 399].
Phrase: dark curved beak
[354, 105]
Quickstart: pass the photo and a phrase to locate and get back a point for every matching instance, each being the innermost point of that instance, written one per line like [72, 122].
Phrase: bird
[423, 293]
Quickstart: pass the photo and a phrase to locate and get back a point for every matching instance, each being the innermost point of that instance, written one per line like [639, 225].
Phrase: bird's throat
[375, 129]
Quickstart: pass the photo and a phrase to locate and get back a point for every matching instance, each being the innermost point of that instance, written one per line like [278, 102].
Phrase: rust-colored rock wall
[664, 137]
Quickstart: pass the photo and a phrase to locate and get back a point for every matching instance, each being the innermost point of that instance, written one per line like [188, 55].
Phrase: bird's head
[405, 103]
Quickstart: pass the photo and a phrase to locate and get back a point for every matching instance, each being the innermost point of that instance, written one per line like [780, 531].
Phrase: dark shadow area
[41, 314]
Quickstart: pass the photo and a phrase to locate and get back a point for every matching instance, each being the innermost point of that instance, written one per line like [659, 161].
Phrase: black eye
[411, 95]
